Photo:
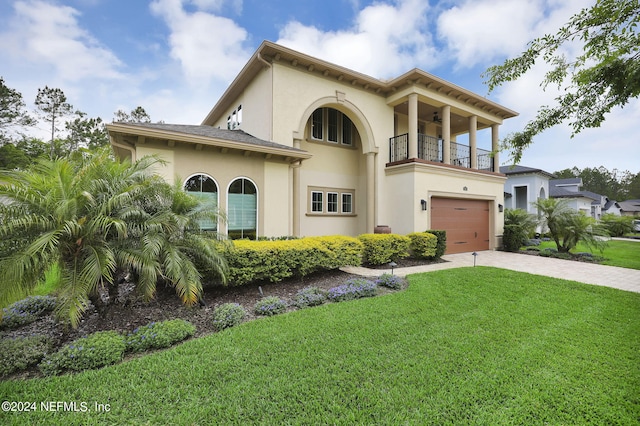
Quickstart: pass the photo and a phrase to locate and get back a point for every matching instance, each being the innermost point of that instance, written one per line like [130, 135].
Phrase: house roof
[517, 169]
[558, 189]
[611, 203]
[567, 182]
[206, 135]
[630, 205]
[268, 53]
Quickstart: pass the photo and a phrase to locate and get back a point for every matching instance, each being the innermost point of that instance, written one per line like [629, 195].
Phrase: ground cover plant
[466, 346]
[625, 254]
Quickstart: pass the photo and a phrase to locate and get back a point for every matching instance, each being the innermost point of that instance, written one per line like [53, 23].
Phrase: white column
[413, 125]
[371, 181]
[296, 193]
[473, 148]
[446, 134]
[495, 147]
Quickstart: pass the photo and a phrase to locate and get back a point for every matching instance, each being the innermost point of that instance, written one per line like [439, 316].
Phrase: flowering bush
[157, 335]
[310, 296]
[270, 305]
[228, 315]
[355, 288]
[391, 281]
[26, 311]
[22, 352]
[86, 353]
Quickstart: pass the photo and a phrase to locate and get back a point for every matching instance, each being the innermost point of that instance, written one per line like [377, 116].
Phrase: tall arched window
[206, 190]
[242, 209]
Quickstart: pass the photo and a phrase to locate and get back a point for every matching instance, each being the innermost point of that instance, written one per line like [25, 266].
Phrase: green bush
[270, 305]
[384, 248]
[228, 315]
[354, 288]
[22, 352]
[26, 311]
[158, 335]
[518, 226]
[310, 296]
[86, 353]
[617, 226]
[391, 281]
[423, 244]
[274, 261]
[441, 246]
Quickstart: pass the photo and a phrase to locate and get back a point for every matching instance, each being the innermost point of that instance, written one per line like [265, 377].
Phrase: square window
[347, 203]
[332, 202]
[316, 202]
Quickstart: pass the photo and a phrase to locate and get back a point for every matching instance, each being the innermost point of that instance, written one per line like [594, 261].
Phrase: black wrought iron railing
[430, 149]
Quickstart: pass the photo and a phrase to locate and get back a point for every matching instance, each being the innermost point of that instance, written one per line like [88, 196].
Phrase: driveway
[609, 276]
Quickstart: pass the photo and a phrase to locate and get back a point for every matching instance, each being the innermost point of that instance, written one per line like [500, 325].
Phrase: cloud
[49, 36]
[384, 41]
[206, 45]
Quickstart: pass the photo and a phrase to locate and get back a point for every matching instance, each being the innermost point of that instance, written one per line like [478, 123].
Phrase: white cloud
[49, 36]
[384, 41]
[207, 46]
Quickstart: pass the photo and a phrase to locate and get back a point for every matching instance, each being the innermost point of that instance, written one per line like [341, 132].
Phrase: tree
[86, 132]
[92, 217]
[52, 105]
[12, 108]
[12, 157]
[567, 226]
[137, 115]
[605, 75]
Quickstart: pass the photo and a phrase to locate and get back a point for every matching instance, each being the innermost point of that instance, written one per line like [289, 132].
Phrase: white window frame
[335, 204]
[342, 202]
[314, 202]
[323, 134]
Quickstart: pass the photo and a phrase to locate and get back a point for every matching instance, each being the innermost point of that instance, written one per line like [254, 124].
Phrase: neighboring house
[524, 186]
[630, 208]
[611, 207]
[299, 146]
[588, 202]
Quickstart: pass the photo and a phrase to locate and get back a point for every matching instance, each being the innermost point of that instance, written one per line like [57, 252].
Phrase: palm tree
[93, 216]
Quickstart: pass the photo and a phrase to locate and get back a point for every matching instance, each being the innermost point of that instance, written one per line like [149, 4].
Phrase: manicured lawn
[465, 346]
[625, 254]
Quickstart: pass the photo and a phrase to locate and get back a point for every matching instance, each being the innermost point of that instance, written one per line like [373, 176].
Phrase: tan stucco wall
[167, 171]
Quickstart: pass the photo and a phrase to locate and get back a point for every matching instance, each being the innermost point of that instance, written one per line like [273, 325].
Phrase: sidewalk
[609, 276]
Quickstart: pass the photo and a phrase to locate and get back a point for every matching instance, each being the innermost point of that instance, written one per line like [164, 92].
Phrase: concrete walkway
[609, 276]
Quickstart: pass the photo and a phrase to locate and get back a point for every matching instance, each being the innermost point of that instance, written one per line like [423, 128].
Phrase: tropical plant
[568, 226]
[518, 226]
[94, 217]
[617, 226]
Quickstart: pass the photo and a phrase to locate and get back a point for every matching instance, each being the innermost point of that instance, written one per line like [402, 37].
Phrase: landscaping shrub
[310, 296]
[86, 353]
[423, 244]
[228, 315]
[441, 246]
[22, 352]
[391, 281]
[26, 311]
[274, 261]
[157, 335]
[518, 226]
[355, 288]
[384, 248]
[270, 305]
[617, 226]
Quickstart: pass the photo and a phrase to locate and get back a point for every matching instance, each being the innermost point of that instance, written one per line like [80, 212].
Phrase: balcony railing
[430, 149]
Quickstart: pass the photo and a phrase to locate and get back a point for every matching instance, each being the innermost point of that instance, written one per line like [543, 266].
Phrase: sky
[176, 57]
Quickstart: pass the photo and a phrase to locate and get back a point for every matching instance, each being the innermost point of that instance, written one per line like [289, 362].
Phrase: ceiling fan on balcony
[436, 119]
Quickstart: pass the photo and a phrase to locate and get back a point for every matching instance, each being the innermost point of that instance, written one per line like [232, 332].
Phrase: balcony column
[495, 147]
[413, 125]
[296, 193]
[473, 148]
[371, 182]
[446, 134]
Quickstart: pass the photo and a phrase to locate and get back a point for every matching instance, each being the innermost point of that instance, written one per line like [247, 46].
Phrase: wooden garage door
[466, 223]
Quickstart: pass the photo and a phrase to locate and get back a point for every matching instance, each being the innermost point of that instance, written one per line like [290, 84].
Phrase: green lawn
[464, 346]
[625, 254]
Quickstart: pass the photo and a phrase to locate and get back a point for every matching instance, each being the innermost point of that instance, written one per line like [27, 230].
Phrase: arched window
[206, 190]
[242, 210]
[330, 125]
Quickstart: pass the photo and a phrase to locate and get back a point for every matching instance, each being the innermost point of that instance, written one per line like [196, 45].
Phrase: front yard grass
[463, 346]
[625, 254]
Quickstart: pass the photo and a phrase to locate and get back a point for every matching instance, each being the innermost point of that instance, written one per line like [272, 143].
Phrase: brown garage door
[466, 223]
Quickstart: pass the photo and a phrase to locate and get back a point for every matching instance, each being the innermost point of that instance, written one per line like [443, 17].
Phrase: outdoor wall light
[500, 208]
[423, 204]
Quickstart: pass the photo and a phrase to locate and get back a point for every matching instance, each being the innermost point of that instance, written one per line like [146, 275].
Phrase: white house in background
[611, 207]
[524, 186]
[587, 202]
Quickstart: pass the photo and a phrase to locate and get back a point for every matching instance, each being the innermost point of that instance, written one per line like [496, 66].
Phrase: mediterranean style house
[299, 146]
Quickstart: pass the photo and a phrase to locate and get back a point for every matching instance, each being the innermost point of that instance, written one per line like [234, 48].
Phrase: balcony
[430, 149]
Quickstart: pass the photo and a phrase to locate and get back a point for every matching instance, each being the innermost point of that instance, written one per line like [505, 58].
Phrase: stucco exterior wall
[533, 183]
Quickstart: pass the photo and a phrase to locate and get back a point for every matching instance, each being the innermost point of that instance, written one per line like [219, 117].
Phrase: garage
[466, 223]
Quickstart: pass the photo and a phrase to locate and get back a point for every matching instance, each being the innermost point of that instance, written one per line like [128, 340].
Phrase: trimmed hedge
[423, 244]
[441, 247]
[158, 335]
[274, 261]
[21, 353]
[384, 248]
